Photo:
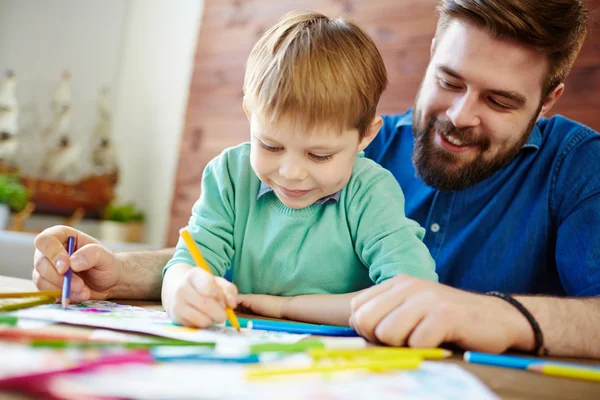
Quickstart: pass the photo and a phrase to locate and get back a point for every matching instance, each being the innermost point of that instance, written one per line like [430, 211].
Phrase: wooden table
[507, 383]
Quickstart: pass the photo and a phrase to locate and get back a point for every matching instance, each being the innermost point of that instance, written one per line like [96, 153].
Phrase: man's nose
[464, 111]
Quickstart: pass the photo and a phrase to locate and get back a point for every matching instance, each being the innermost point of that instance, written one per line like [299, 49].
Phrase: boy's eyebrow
[517, 97]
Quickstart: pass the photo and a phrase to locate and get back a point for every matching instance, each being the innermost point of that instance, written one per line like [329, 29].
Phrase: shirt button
[435, 228]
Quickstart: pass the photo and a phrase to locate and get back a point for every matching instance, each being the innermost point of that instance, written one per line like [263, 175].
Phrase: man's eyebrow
[449, 71]
[517, 97]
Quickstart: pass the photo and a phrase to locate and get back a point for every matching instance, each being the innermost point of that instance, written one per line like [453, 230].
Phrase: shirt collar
[534, 141]
[332, 198]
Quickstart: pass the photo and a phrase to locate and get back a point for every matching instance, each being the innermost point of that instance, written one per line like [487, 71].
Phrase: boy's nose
[292, 171]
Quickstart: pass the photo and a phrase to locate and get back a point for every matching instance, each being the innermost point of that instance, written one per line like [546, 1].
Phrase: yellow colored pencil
[567, 371]
[20, 295]
[371, 365]
[379, 353]
[199, 259]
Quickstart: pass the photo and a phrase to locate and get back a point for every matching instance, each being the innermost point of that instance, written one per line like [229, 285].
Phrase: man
[510, 200]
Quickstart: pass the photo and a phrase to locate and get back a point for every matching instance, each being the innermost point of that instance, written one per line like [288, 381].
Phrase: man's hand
[407, 311]
[262, 304]
[95, 268]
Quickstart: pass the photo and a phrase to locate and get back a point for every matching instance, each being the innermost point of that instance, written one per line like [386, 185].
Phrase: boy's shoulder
[368, 175]
[233, 164]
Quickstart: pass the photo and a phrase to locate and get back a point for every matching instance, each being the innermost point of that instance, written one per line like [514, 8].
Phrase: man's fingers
[429, 333]
[395, 328]
[43, 284]
[52, 241]
[45, 269]
[90, 256]
[54, 250]
[369, 315]
[367, 295]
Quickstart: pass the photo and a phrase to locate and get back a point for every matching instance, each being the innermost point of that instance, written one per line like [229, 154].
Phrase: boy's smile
[303, 165]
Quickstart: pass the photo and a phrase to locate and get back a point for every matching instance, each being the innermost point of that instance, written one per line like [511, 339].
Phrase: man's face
[476, 107]
[302, 167]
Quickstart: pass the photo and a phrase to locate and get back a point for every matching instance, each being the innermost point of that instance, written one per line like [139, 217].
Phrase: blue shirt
[533, 227]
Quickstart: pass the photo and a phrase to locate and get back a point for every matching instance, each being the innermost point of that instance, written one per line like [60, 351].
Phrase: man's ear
[371, 132]
[432, 47]
[245, 107]
[551, 99]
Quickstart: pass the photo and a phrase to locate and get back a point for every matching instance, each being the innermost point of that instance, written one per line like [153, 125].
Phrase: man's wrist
[521, 334]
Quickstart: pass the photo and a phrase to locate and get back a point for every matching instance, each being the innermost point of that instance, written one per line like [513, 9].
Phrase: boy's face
[303, 167]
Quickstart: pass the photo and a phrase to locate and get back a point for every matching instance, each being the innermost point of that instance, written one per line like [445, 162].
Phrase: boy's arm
[328, 309]
[211, 223]
[385, 240]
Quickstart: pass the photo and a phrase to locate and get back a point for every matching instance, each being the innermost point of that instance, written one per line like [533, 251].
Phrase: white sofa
[16, 252]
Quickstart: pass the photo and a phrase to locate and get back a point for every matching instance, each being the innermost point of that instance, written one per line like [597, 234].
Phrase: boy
[308, 219]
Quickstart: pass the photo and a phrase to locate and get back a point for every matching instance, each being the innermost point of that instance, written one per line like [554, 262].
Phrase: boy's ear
[551, 99]
[371, 132]
[245, 108]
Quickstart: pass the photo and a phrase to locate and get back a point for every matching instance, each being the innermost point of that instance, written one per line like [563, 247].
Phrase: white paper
[433, 380]
[106, 314]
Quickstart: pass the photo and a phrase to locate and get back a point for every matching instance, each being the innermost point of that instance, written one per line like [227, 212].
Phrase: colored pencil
[20, 295]
[66, 292]
[201, 262]
[371, 365]
[566, 371]
[379, 353]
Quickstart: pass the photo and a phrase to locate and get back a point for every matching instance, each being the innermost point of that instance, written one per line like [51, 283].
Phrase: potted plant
[123, 223]
[13, 197]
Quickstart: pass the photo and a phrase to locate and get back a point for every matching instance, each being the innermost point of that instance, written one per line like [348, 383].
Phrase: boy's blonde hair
[315, 70]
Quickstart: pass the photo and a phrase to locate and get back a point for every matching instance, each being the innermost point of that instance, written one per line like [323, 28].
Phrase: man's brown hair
[555, 27]
[315, 70]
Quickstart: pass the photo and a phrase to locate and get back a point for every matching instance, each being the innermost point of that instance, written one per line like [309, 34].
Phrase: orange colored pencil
[201, 262]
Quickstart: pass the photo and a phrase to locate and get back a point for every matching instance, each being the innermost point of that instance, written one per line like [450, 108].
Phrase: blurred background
[109, 110]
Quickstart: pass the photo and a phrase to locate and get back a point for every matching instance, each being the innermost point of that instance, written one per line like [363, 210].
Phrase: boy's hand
[200, 299]
[262, 304]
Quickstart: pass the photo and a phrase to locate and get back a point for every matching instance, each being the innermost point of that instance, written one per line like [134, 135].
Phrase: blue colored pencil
[66, 292]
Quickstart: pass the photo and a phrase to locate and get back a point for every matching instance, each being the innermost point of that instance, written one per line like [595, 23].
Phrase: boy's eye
[273, 149]
[320, 158]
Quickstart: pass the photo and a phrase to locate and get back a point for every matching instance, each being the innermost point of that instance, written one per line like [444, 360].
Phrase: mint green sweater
[320, 249]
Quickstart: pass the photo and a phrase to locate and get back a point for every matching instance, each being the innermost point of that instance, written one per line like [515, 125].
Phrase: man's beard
[436, 167]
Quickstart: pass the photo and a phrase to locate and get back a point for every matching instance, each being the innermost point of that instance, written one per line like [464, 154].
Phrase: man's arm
[571, 326]
[98, 272]
[140, 275]
[407, 311]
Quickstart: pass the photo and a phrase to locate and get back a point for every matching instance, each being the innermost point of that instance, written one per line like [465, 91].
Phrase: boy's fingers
[189, 316]
[212, 308]
[205, 283]
[230, 291]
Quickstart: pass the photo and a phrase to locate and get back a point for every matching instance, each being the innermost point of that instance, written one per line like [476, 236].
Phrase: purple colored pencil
[66, 292]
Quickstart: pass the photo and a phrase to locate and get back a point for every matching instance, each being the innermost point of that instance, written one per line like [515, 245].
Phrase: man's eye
[320, 158]
[498, 105]
[447, 85]
[270, 148]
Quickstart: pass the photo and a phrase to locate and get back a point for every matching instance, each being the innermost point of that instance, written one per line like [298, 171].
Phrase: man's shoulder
[397, 122]
[563, 134]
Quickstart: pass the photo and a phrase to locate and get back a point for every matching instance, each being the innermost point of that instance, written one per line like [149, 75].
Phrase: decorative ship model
[49, 191]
